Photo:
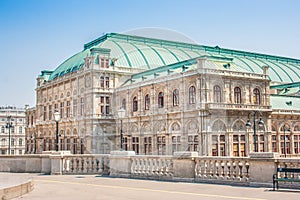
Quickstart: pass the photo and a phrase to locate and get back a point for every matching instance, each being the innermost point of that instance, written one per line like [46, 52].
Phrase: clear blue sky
[37, 35]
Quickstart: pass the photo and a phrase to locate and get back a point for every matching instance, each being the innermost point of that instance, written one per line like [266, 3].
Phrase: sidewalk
[13, 185]
[73, 187]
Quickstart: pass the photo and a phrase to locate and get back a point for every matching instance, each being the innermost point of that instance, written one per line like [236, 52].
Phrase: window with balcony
[134, 104]
[160, 100]
[147, 102]
[237, 95]
[192, 95]
[124, 104]
[175, 97]
[217, 94]
[256, 96]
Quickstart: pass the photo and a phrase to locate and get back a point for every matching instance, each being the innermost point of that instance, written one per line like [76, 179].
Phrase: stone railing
[222, 169]
[233, 106]
[152, 166]
[256, 169]
[85, 164]
[288, 163]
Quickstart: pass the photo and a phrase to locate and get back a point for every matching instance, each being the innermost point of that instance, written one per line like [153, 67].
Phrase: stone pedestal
[184, 165]
[56, 158]
[262, 167]
[120, 163]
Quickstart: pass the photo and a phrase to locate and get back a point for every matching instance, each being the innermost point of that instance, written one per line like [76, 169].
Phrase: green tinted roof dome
[148, 53]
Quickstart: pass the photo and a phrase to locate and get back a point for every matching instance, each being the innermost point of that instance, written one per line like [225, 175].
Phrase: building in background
[166, 96]
[12, 133]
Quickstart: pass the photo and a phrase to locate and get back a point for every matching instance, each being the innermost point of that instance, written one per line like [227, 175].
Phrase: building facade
[174, 97]
[12, 135]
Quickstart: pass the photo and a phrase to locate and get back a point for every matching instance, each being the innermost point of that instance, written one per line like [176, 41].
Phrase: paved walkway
[70, 187]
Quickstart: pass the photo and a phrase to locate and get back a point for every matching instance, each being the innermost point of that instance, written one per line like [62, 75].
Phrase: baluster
[77, 165]
[222, 175]
[157, 167]
[144, 165]
[228, 167]
[72, 161]
[82, 163]
[170, 167]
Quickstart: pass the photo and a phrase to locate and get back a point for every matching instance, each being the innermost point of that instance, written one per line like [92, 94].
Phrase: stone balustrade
[152, 166]
[222, 169]
[85, 164]
[188, 166]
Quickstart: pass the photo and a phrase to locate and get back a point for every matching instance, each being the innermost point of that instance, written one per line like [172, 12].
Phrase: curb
[16, 190]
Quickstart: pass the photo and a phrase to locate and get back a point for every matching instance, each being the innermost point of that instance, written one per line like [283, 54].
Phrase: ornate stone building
[176, 97]
[12, 133]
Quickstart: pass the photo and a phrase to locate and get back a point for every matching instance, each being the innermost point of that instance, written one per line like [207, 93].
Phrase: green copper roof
[285, 102]
[148, 53]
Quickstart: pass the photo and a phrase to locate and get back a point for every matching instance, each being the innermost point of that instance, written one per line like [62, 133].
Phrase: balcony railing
[232, 106]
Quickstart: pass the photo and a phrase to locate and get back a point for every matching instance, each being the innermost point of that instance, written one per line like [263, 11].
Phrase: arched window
[147, 102]
[134, 104]
[237, 95]
[192, 95]
[124, 104]
[161, 100]
[175, 97]
[217, 94]
[256, 96]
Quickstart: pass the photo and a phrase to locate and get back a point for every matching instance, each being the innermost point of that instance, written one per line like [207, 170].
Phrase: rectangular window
[68, 109]
[81, 106]
[74, 107]
[148, 145]
[20, 129]
[107, 100]
[50, 112]
[161, 145]
[107, 110]
[135, 144]
[102, 82]
[107, 82]
[62, 109]
[45, 113]
[175, 143]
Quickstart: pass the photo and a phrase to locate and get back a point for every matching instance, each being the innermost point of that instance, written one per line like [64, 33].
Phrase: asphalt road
[70, 187]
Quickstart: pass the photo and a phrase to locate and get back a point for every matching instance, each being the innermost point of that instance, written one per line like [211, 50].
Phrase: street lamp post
[284, 139]
[56, 118]
[9, 126]
[121, 114]
[260, 124]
